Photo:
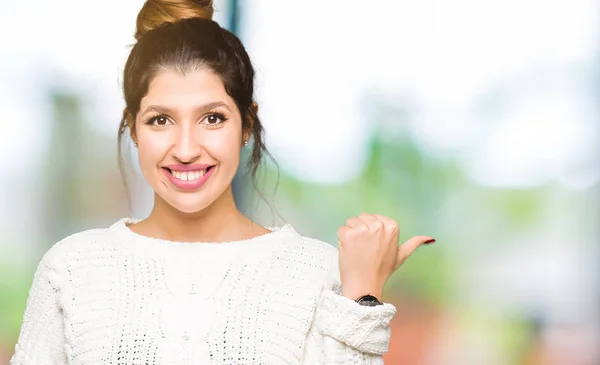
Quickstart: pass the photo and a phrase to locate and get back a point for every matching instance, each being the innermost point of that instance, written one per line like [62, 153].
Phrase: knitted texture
[111, 296]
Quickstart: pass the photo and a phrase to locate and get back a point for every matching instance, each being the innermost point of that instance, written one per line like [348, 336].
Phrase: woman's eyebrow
[166, 110]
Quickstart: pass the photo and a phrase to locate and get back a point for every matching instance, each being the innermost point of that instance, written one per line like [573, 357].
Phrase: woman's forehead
[176, 90]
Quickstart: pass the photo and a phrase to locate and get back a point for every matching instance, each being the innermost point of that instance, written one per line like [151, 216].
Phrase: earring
[135, 144]
[245, 143]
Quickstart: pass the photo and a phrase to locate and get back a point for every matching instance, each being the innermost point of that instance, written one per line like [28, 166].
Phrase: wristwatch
[368, 300]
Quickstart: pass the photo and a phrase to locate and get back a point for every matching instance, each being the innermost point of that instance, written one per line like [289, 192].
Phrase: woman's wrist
[356, 292]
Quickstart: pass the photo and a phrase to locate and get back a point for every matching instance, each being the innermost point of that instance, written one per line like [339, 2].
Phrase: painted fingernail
[429, 241]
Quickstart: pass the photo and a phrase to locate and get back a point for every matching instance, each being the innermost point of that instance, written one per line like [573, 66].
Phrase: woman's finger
[389, 224]
[408, 247]
[353, 222]
[371, 222]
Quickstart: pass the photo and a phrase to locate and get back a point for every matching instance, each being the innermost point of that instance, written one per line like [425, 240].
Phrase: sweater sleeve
[41, 339]
[352, 333]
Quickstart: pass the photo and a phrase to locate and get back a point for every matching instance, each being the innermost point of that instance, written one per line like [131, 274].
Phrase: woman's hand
[369, 253]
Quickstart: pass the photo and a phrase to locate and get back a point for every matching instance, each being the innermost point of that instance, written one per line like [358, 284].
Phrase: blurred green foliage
[15, 281]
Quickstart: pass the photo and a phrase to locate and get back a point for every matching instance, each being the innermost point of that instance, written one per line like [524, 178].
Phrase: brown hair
[180, 35]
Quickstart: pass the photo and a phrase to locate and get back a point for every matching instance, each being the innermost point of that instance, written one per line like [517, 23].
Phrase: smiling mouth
[188, 175]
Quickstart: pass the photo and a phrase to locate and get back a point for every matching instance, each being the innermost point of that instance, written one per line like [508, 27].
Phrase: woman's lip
[182, 167]
[188, 185]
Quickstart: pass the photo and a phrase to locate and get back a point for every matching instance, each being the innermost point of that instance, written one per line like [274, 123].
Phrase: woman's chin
[187, 206]
[189, 202]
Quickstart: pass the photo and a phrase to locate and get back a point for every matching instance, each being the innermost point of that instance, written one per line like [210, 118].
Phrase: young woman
[197, 282]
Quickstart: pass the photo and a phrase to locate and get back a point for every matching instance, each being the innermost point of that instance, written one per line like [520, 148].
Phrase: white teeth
[188, 175]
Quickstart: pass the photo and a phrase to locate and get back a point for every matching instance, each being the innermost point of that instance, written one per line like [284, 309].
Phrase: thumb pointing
[408, 247]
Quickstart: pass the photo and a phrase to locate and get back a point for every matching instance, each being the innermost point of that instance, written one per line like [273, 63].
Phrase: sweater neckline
[152, 243]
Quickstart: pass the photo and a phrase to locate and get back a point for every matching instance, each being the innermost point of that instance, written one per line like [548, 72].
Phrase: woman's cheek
[223, 146]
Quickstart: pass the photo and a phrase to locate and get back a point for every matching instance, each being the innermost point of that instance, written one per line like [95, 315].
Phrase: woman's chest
[191, 310]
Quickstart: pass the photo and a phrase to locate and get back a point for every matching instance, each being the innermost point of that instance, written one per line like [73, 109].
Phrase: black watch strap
[368, 301]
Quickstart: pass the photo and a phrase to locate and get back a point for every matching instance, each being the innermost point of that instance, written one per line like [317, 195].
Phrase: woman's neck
[219, 222]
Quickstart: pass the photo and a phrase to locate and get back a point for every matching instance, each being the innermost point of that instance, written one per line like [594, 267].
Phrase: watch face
[368, 303]
[369, 300]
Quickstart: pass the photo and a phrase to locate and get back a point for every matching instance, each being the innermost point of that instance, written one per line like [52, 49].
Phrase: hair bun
[155, 13]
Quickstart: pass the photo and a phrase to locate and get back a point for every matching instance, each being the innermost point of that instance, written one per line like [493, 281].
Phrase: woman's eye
[159, 121]
[214, 119]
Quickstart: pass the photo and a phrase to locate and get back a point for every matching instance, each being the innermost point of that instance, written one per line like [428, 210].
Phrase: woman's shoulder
[88, 240]
[314, 250]
[319, 245]
[317, 259]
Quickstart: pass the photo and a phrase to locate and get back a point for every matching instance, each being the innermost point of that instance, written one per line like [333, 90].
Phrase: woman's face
[189, 135]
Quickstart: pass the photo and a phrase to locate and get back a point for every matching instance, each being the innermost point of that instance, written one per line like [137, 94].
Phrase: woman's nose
[187, 146]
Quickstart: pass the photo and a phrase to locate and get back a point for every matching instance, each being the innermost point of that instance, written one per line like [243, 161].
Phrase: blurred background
[475, 122]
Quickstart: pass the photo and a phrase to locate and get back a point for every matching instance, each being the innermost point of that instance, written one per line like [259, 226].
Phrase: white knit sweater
[111, 296]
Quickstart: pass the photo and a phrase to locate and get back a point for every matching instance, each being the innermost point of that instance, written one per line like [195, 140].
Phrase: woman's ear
[131, 125]
[247, 133]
